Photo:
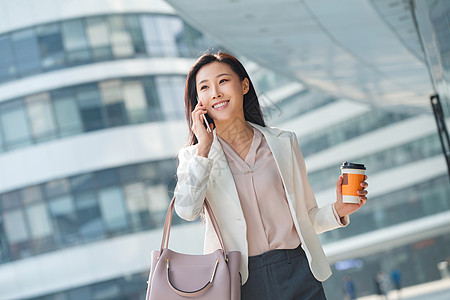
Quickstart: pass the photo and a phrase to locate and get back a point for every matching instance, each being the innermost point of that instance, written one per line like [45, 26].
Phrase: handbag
[213, 276]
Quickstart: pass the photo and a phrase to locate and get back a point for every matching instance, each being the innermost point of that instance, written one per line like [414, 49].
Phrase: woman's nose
[216, 93]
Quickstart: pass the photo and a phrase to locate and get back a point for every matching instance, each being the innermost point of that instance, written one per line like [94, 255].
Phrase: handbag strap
[168, 223]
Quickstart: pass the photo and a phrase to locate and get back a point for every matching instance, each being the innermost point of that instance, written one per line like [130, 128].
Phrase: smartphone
[206, 121]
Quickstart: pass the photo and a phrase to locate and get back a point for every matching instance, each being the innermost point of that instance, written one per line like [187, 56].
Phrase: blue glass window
[90, 107]
[41, 228]
[75, 42]
[32, 194]
[172, 101]
[99, 38]
[135, 101]
[51, 46]
[17, 233]
[65, 220]
[26, 48]
[40, 114]
[170, 28]
[90, 221]
[137, 205]
[153, 101]
[15, 125]
[82, 182]
[113, 210]
[111, 94]
[67, 112]
[56, 188]
[150, 33]
[134, 27]
[107, 177]
[121, 40]
[7, 63]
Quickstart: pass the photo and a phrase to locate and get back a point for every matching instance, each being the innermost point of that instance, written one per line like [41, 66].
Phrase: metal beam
[442, 128]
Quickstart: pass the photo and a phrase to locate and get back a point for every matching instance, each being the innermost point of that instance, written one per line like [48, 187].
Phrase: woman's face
[216, 82]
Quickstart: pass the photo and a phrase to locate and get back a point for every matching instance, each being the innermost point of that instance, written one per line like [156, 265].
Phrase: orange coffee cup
[353, 176]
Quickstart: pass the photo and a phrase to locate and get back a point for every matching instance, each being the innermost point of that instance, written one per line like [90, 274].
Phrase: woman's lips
[222, 106]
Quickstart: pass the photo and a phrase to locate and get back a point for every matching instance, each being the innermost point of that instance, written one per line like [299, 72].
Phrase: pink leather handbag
[213, 276]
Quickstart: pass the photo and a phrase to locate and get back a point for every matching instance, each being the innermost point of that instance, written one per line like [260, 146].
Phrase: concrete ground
[435, 290]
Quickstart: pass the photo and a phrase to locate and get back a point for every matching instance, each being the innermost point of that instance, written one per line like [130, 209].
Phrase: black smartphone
[206, 121]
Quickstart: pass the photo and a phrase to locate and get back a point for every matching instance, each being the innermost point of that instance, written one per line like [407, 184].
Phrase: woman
[254, 177]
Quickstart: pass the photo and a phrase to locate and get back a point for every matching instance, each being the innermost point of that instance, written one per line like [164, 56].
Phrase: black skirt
[281, 274]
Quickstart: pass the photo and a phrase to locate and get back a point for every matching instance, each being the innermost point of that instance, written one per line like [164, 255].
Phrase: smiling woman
[215, 79]
[255, 179]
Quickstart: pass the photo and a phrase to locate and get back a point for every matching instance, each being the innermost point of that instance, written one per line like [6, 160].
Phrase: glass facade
[348, 129]
[421, 200]
[293, 106]
[434, 29]
[417, 263]
[84, 208]
[72, 110]
[102, 204]
[93, 39]
[394, 157]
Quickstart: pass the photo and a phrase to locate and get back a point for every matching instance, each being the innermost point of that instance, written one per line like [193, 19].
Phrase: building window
[83, 208]
[15, 125]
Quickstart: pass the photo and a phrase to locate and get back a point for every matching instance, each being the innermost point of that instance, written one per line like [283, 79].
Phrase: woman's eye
[223, 80]
[202, 87]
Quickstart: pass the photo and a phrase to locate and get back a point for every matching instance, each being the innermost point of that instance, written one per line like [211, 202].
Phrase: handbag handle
[168, 223]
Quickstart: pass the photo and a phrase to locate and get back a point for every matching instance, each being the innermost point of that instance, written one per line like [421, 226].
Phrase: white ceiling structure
[362, 50]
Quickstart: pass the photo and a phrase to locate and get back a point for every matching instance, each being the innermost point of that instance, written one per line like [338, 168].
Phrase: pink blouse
[263, 199]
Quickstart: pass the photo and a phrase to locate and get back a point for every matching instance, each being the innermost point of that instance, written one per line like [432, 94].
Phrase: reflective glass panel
[64, 216]
[75, 42]
[91, 224]
[51, 46]
[164, 86]
[99, 38]
[112, 208]
[15, 125]
[41, 118]
[7, 64]
[82, 182]
[158, 201]
[15, 227]
[135, 102]
[67, 113]
[133, 25]
[90, 106]
[32, 194]
[56, 187]
[137, 205]
[121, 41]
[170, 29]
[27, 52]
[39, 221]
[151, 36]
[153, 101]
[11, 200]
[111, 94]
[107, 177]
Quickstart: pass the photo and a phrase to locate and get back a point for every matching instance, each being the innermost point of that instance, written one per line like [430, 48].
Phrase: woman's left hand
[344, 209]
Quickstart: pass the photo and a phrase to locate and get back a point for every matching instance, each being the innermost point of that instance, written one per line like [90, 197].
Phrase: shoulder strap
[168, 223]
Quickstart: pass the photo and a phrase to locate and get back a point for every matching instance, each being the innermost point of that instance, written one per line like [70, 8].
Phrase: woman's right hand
[204, 137]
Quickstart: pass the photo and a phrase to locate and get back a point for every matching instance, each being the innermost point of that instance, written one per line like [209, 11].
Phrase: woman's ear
[245, 85]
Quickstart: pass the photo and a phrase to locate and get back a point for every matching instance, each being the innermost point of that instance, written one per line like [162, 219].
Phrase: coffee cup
[353, 175]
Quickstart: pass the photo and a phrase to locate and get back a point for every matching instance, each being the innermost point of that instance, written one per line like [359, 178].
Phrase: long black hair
[251, 107]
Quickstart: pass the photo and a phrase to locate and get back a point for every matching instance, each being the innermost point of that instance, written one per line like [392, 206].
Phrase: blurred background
[92, 117]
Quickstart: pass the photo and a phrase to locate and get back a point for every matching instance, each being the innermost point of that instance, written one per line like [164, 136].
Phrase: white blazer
[211, 177]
